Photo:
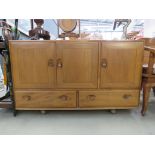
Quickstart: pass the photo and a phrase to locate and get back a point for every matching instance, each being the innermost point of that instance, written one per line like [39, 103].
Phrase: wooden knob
[59, 63]
[127, 96]
[91, 97]
[103, 63]
[51, 63]
[64, 97]
[27, 98]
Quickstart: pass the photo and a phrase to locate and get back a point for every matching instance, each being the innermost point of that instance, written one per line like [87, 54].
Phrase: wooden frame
[69, 34]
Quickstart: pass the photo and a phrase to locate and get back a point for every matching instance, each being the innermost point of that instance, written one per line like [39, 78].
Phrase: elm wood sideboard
[53, 75]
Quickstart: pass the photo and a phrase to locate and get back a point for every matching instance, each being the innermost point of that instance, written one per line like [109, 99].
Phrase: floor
[79, 122]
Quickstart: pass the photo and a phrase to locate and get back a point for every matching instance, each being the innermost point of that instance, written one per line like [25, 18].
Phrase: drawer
[45, 99]
[109, 99]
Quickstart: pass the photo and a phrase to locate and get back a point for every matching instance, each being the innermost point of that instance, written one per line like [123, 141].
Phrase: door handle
[104, 63]
[27, 98]
[127, 96]
[63, 97]
[91, 97]
[59, 63]
[51, 63]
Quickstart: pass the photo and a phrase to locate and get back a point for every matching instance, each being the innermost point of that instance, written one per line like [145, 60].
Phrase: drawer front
[45, 99]
[107, 99]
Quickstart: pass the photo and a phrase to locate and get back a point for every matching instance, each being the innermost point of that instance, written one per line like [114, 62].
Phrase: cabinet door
[33, 64]
[121, 64]
[77, 64]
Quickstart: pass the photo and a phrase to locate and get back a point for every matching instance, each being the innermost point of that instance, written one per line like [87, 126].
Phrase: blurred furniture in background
[5, 101]
[8, 33]
[69, 28]
[148, 76]
[132, 35]
[84, 36]
[125, 23]
[38, 32]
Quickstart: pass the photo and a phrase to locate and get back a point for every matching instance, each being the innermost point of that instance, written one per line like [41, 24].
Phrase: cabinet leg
[142, 84]
[146, 93]
[14, 113]
[43, 112]
[153, 90]
[113, 111]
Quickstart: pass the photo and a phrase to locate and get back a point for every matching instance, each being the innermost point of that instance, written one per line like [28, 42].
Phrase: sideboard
[76, 75]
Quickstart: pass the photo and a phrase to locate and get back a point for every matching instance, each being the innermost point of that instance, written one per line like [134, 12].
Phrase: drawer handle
[51, 63]
[127, 96]
[104, 63]
[63, 97]
[59, 63]
[27, 98]
[91, 97]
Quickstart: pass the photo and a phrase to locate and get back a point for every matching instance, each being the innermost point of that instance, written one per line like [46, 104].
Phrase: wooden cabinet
[76, 74]
[77, 65]
[121, 64]
[33, 64]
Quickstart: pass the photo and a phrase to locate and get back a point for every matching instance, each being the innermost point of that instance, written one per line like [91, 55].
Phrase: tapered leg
[146, 93]
[14, 113]
[43, 112]
[142, 83]
[153, 90]
[113, 111]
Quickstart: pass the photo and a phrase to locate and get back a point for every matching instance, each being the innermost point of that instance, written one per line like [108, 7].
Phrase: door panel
[77, 65]
[121, 64]
[33, 64]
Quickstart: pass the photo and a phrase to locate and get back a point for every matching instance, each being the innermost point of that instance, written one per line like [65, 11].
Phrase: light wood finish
[148, 77]
[67, 25]
[109, 98]
[45, 99]
[147, 54]
[146, 57]
[77, 65]
[147, 42]
[33, 64]
[121, 64]
[50, 75]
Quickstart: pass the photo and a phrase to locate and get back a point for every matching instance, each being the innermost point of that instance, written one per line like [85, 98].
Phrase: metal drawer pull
[63, 97]
[91, 97]
[27, 98]
[51, 63]
[127, 96]
[104, 63]
[59, 63]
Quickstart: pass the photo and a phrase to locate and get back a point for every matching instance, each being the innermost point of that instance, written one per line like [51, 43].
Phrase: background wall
[50, 25]
[149, 28]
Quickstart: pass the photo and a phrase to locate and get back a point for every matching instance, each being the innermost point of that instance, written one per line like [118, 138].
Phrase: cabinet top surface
[75, 41]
